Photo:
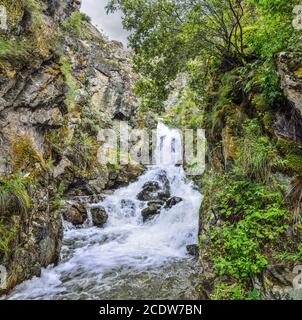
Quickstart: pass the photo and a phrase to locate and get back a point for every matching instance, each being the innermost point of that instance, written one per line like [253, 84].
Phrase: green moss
[66, 70]
[298, 73]
[8, 235]
[73, 24]
[293, 155]
[25, 156]
[294, 162]
[12, 48]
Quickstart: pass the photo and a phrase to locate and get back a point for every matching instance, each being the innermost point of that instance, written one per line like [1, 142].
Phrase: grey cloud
[111, 24]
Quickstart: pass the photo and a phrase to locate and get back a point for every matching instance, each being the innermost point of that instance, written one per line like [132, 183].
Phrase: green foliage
[186, 113]
[73, 24]
[272, 31]
[12, 48]
[252, 217]
[7, 238]
[24, 155]
[66, 70]
[14, 199]
[233, 292]
[257, 156]
[296, 256]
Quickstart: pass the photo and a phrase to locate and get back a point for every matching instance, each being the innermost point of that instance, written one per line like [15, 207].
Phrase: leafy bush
[257, 156]
[252, 218]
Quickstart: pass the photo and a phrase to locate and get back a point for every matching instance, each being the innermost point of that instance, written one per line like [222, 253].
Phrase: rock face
[284, 129]
[59, 86]
[288, 123]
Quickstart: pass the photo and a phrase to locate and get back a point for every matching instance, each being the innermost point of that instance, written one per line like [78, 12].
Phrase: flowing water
[130, 259]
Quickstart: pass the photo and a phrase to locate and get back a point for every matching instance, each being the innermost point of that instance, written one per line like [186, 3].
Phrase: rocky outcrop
[75, 213]
[99, 216]
[60, 83]
[288, 123]
[152, 210]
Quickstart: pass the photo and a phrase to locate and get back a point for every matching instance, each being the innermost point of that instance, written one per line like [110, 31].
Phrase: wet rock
[151, 211]
[193, 250]
[173, 202]
[158, 203]
[76, 214]
[99, 216]
[156, 190]
[150, 191]
[164, 195]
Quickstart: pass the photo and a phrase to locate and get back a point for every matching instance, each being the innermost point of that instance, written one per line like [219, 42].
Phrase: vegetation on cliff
[228, 51]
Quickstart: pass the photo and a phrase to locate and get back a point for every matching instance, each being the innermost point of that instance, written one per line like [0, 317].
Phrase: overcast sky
[110, 24]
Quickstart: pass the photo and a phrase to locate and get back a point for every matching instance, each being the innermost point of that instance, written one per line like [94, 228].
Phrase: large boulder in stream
[152, 210]
[150, 191]
[99, 216]
[75, 213]
[156, 190]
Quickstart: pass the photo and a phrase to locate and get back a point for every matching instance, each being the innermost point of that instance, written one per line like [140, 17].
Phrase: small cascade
[132, 256]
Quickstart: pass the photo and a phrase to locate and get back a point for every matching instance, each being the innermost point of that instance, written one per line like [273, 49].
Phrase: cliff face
[60, 83]
[250, 219]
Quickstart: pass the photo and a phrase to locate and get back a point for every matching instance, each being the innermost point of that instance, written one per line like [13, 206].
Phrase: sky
[110, 25]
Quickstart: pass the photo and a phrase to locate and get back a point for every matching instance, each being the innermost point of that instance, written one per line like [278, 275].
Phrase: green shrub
[66, 70]
[7, 238]
[291, 256]
[224, 291]
[252, 217]
[73, 25]
[257, 156]
[14, 198]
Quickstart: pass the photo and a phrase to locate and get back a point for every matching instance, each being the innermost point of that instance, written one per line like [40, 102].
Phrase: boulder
[151, 211]
[99, 216]
[76, 214]
[172, 202]
[150, 191]
[156, 190]
[193, 250]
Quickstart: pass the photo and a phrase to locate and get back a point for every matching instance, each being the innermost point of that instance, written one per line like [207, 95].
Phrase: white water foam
[95, 261]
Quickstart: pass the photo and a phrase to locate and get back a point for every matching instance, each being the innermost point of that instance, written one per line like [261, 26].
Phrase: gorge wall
[61, 81]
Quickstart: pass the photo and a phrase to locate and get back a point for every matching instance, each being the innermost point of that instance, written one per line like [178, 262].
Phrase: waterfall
[129, 258]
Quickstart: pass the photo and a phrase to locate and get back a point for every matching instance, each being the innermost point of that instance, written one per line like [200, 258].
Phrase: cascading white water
[129, 258]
